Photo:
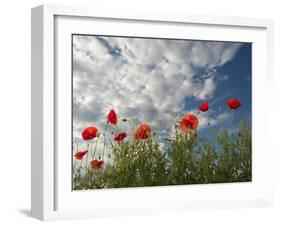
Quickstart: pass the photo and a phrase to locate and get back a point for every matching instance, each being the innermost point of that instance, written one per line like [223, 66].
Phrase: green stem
[232, 116]
[104, 140]
[76, 151]
[89, 151]
[93, 154]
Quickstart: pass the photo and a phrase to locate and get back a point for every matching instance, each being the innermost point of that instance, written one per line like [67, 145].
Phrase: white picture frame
[52, 197]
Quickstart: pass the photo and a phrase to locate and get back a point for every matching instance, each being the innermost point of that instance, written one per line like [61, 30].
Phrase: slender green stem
[96, 144]
[104, 142]
[89, 151]
[76, 151]
[232, 116]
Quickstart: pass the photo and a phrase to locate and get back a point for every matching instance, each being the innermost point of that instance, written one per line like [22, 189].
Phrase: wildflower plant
[141, 157]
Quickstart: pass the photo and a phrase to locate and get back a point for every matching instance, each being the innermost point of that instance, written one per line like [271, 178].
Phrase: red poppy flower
[80, 154]
[97, 164]
[120, 136]
[90, 133]
[233, 103]
[188, 122]
[142, 132]
[204, 107]
[112, 117]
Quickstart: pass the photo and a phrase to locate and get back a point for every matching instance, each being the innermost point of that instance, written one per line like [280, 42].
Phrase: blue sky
[142, 79]
[237, 85]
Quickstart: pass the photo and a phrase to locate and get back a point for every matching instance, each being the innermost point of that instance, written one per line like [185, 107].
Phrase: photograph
[151, 111]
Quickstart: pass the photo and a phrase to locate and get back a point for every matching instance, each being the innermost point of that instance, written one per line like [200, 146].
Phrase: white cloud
[208, 118]
[141, 78]
[207, 90]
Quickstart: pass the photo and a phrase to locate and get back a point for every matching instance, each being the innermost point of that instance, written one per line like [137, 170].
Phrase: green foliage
[185, 159]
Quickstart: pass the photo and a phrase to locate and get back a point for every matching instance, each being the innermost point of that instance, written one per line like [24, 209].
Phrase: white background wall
[15, 111]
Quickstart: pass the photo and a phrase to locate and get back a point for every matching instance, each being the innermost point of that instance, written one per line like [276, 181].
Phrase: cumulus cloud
[142, 78]
[213, 120]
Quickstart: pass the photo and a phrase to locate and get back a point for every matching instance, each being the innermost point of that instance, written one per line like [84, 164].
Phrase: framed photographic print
[143, 113]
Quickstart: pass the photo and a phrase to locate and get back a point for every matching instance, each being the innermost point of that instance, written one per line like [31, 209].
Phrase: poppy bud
[194, 135]
[204, 107]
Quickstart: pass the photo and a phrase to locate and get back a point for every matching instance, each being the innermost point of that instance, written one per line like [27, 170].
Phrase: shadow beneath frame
[26, 212]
